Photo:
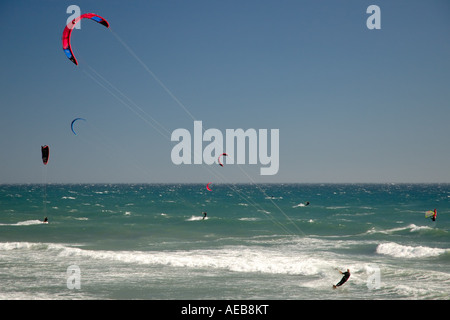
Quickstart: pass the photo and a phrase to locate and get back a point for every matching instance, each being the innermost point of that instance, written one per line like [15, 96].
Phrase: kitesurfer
[45, 220]
[344, 278]
[433, 217]
[204, 215]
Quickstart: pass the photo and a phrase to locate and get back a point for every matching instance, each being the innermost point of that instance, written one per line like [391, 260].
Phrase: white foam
[411, 228]
[196, 218]
[248, 219]
[23, 223]
[233, 258]
[8, 246]
[400, 251]
[414, 228]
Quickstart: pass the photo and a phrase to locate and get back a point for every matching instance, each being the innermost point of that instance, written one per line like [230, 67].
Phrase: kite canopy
[68, 32]
[220, 163]
[45, 150]
[429, 214]
[71, 125]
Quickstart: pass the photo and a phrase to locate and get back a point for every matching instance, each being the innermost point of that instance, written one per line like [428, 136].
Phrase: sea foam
[400, 251]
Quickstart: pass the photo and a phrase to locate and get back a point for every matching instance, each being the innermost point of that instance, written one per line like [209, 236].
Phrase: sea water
[150, 241]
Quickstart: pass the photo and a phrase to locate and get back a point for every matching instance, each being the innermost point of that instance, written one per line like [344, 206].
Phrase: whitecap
[401, 251]
[23, 223]
[196, 218]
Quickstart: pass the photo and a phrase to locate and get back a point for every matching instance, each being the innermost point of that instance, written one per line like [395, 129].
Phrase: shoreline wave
[410, 252]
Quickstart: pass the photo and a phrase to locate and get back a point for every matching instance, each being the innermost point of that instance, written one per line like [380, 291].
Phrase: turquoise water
[257, 242]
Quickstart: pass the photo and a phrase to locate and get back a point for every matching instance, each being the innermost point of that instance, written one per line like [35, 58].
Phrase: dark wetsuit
[344, 279]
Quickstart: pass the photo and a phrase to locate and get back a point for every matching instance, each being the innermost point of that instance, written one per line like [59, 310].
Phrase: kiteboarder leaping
[344, 278]
[433, 217]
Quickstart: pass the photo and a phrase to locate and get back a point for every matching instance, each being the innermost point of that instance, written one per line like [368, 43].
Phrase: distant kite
[45, 150]
[68, 32]
[73, 121]
[220, 163]
[207, 186]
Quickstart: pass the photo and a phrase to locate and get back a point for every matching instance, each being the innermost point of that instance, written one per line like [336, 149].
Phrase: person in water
[45, 220]
[433, 217]
[344, 278]
[204, 215]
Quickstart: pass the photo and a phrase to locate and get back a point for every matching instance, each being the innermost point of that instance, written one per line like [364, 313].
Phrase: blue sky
[351, 104]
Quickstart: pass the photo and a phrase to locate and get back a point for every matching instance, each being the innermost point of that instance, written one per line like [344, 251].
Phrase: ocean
[262, 242]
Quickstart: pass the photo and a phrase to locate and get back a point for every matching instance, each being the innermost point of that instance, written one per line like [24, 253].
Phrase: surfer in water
[433, 217]
[344, 278]
[45, 220]
[204, 215]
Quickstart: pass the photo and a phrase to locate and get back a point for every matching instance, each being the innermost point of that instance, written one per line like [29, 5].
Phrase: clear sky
[351, 104]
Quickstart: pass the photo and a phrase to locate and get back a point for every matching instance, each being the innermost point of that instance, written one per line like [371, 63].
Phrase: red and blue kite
[68, 32]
